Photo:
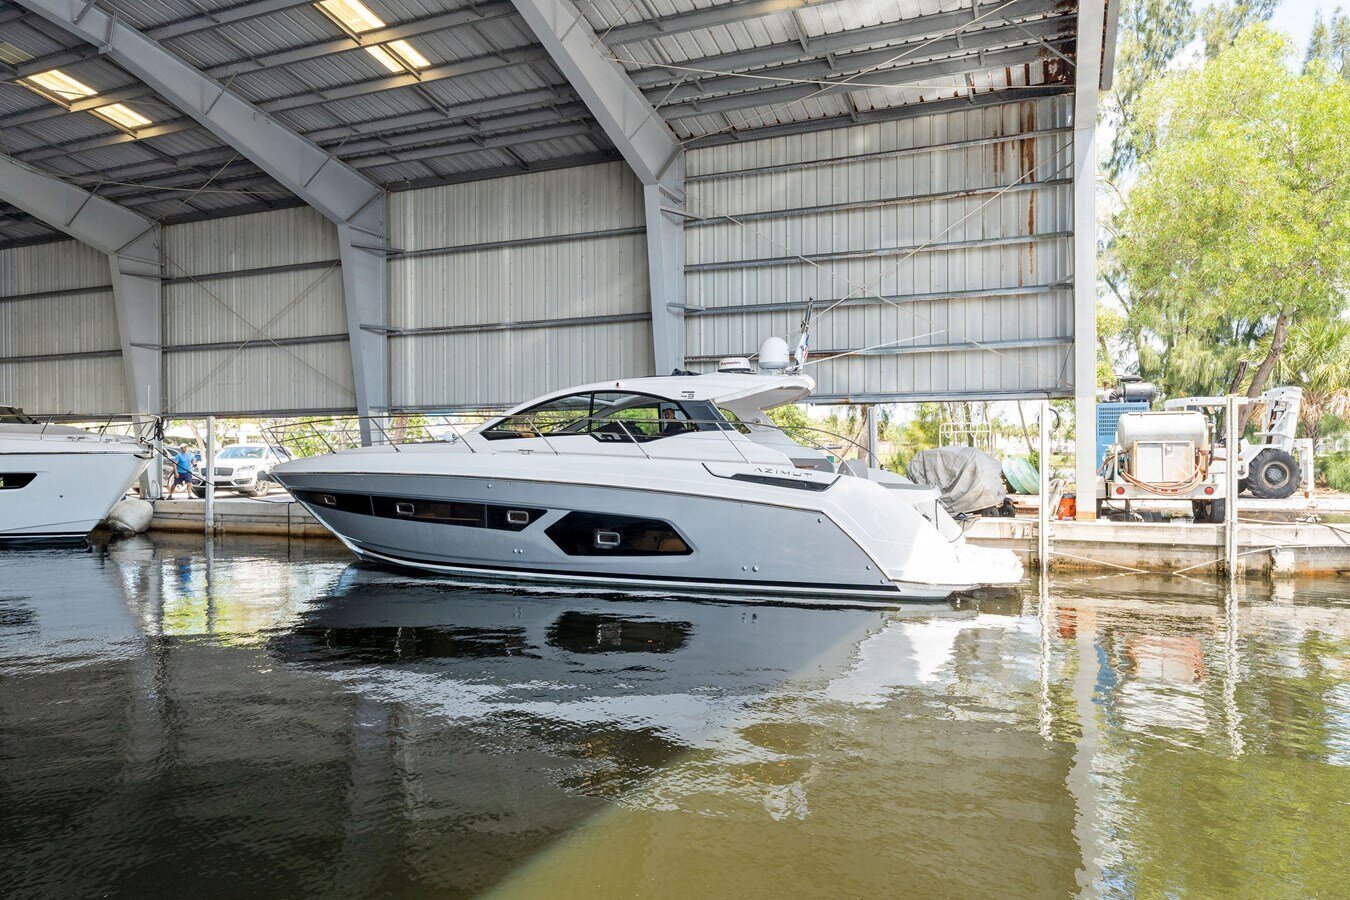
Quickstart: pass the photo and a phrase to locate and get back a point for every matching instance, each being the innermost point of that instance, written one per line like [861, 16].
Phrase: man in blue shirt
[182, 471]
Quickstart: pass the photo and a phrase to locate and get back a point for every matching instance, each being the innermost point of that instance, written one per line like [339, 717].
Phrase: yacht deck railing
[314, 436]
[113, 428]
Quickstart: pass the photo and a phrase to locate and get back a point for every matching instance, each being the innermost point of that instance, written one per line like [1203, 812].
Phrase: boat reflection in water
[322, 728]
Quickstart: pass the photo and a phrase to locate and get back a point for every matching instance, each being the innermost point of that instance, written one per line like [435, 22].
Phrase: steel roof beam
[351, 139]
[402, 31]
[415, 28]
[923, 25]
[395, 149]
[639, 132]
[131, 243]
[885, 114]
[919, 32]
[432, 151]
[210, 21]
[722, 14]
[356, 205]
[325, 183]
[525, 102]
[646, 143]
[971, 55]
[530, 56]
[914, 73]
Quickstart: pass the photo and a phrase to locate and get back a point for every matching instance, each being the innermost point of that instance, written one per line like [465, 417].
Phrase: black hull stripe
[891, 589]
[32, 538]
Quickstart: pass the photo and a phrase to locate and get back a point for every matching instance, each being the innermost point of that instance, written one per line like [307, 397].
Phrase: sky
[1295, 18]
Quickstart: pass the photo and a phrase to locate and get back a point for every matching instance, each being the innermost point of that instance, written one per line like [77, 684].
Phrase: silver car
[242, 468]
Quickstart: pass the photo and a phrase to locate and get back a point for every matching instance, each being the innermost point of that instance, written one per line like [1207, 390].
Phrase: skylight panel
[59, 86]
[357, 19]
[64, 90]
[122, 116]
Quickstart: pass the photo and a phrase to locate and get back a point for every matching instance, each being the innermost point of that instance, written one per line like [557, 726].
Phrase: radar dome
[773, 354]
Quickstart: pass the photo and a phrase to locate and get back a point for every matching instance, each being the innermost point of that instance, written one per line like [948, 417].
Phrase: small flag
[804, 339]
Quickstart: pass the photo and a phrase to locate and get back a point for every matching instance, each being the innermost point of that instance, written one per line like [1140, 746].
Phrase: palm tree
[1317, 359]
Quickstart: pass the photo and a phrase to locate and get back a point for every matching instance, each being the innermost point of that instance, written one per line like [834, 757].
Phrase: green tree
[1239, 224]
[792, 415]
[1329, 45]
[1151, 34]
[1317, 359]
[918, 433]
[1220, 24]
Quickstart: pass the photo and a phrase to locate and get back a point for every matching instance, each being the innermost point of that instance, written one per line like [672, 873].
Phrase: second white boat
[57, 482]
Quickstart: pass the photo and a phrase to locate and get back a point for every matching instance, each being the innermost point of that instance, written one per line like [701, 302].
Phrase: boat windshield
[609, 415]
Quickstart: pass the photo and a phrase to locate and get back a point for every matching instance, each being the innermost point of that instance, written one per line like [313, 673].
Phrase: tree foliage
[1152, 33]
[1239, 223]
[1219, 24]
[1329, 45]
[1317, 359]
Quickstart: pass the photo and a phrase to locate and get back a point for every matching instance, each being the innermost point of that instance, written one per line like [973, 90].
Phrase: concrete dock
[1265, 548]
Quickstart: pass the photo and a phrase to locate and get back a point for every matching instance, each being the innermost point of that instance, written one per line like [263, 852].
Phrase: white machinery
[1267, 467]
[1164, 455]
[1172, 454]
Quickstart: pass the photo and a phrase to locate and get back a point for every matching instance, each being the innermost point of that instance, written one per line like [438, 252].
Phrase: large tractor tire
[1273, 475]
[1209, 511]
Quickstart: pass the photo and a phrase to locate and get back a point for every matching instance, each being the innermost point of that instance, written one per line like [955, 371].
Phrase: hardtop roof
[743, 391]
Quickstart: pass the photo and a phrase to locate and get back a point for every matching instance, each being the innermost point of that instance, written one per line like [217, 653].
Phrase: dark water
[277, 722]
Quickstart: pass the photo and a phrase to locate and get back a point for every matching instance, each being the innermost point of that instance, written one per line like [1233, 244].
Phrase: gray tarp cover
[969, 479]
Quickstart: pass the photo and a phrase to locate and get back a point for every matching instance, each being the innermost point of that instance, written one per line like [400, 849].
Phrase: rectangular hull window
[439, 512]
[600, 534]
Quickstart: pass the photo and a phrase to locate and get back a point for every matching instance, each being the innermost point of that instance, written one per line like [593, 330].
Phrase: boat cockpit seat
[855, 467]
[613, 431]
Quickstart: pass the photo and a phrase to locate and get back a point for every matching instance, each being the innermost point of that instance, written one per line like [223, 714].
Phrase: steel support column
[366, 289]
[646, 143]
[664, 204]
[131, 243]
[355, 204]
[1087, 71]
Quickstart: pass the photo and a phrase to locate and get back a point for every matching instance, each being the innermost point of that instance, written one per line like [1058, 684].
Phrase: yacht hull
[66, 494]
[685, 543]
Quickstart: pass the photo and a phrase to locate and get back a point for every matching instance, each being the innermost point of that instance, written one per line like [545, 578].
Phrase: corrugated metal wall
[57, 299]
[504, 289]
[253, 315]
[907, 224]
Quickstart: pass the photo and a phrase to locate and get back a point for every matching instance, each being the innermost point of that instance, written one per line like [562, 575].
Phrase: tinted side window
[705, 416]
[640, 417]
[563, 415]
[12, 481]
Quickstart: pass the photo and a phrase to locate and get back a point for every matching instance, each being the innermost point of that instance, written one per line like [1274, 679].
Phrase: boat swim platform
[1264, 548]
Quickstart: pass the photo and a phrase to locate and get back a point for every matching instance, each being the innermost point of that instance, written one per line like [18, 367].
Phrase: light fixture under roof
[356, 19]
[64, 90]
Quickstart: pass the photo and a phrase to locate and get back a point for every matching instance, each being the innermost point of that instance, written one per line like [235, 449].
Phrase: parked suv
[242, 467]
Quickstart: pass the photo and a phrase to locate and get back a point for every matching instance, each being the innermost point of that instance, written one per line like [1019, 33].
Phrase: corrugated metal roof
[490, 69]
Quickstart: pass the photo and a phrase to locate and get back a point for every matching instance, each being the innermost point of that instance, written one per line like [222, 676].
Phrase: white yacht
[58, 482]
[678, 483]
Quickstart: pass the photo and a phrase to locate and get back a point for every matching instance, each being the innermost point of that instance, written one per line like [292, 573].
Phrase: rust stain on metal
[1031, 229]
[1056, 70]
[1027, 152]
